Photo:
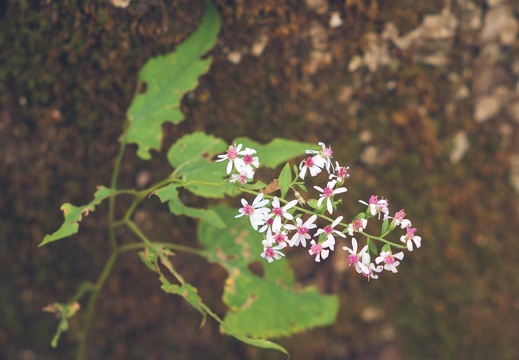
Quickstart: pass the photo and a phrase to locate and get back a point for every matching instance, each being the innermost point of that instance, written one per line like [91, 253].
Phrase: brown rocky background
[420, 98]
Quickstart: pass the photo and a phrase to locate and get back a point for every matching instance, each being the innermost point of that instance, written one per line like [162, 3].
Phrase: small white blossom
[320, 250]
[272, 253]
[398, 219]
[249, 162]
[330, 231]
[256, 212]
[389, 261]
[326, 154]
[301, 228]
[357, 225]
[328, 193]
[356, 259]
[279, 212]
[377, 206]
[232, 155]
[409, 237]
[313, 164]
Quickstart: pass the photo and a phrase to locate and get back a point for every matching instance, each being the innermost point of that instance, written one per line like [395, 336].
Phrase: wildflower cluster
[285, 223]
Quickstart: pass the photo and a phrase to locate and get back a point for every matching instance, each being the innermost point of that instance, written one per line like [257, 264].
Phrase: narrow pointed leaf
[74, 215]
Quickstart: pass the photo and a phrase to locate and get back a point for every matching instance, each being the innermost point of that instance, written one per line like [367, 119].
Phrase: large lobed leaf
[267, 306]
[277, 151]
[192, 158]
[169, 194]
[74, 215]
[164, 80]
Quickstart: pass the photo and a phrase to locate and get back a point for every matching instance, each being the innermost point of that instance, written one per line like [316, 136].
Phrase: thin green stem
[373, 237]
[81, 353]
[138, 232]
[85, 286]
[187, 249]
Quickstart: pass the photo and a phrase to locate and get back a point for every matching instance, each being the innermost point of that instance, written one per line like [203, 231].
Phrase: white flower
[372, 269]
[325, 153]
[320, 250]
[399, 220]
[256, 212]
[341, 173]
[313, 164]
[377, 206]
[232, 155]
[409, 237]
[358, 259]
[328, 193]
[272, 252]
[357, 225]
[279, 211]
[241, 177]
[301, 234]
[329, 231]
[389, 261]
[248, 163]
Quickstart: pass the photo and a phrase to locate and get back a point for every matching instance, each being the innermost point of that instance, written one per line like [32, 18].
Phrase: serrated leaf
[188, 292]
[261, 343]
[192, 156]
[253, 301]
[275, 152]
[74, 215]
[164, 80]
[169, 194]
[285, 179]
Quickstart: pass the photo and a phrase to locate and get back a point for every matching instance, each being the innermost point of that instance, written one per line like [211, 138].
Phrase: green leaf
[164, 80]
[385, 226]
[372, 247]
[261, 343]
[169, 194]
[74, 215]
[386, 247]
[188, 292]
[254, 301]
[192, 156]
[275, 152]
[285, 179]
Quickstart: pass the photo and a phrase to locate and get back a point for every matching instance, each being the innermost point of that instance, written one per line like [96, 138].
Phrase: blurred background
[420, 98]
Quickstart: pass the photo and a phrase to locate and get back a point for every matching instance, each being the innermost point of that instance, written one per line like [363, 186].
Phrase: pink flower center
[247, 159]
[410, 233]
[279, 238]
[342, 172]
[400, 215]
[309, 162]
[373, 200]
[357, 224]
[328, 192]
[248, 210]
[316, 249]
[269, 252]
[389, 259]
[302, 230]
[269, 221]
[327, 152]
[328, 229]
[353, 259]
[232, 153]
[277, 211]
